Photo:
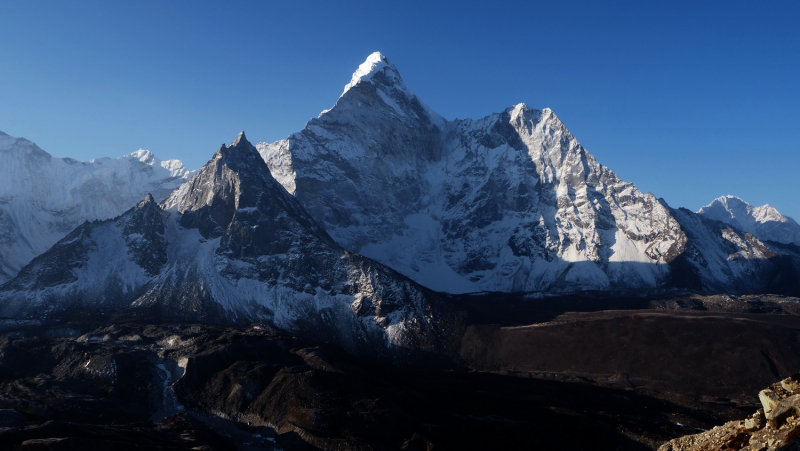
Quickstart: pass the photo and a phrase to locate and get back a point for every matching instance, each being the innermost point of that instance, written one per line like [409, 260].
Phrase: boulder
[755, 422]
[776, 427]
[785, 408]
[769, 399]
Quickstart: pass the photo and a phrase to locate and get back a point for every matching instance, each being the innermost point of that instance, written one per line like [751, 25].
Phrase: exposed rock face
[774, 427]
[510, 202]
[43, 198]
[228, 246]
[722, 258]
[102, 265]
[764, 222]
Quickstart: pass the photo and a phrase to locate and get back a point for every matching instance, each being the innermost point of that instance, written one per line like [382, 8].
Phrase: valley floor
[584, 372]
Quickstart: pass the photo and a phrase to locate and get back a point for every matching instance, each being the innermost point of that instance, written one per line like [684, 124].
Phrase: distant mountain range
[43, 198]
[355, 222]
[764, 222]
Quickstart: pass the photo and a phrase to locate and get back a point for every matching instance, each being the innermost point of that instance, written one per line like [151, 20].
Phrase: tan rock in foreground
[774, 427]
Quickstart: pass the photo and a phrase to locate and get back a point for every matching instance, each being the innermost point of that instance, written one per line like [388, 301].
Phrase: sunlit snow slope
[764, 222]
[509, 202]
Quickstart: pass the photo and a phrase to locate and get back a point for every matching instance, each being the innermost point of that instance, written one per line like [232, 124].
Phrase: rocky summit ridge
[230, 246]
[510, 202]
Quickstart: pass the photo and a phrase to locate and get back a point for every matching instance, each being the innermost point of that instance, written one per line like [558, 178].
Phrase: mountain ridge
[765, 222]
[231, 246]
[506, 203]
[42, 198]
[509, 202]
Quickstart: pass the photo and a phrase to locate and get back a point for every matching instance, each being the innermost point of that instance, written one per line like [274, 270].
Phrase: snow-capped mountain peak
[145, 156]
[768, 213]
[42, 198]
[508, 202]
[520, 108]
[380, 82]
[765, 222]
[374, 64]
[175, 167]
[736, 207]
[20, 145]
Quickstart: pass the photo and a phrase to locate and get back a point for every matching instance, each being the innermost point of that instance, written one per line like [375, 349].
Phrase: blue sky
[688, 100]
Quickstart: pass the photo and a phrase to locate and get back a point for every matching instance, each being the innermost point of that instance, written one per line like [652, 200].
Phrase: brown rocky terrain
[593, 372]
[724, 348]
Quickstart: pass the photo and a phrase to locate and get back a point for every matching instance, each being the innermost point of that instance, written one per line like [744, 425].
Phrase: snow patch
[375, 63]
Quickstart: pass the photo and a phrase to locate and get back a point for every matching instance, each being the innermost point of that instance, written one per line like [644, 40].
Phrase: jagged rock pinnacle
[148, 201]
[240, 139]
[238, 144]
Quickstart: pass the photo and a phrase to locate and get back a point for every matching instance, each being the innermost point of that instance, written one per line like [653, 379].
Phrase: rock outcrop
[774, 427]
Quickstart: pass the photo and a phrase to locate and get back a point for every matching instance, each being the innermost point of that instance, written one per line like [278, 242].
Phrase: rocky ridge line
[231, 246]
[507, 203]
[43, 198]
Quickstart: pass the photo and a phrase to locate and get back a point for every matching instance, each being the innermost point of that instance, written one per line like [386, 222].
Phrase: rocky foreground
[774, 427]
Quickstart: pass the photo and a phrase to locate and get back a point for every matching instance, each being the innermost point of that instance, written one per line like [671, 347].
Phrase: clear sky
[689, 100]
